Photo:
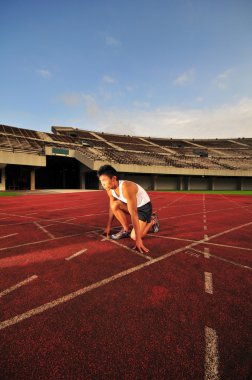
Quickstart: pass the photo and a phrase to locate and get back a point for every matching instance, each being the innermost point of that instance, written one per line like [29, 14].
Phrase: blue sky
[180, 69]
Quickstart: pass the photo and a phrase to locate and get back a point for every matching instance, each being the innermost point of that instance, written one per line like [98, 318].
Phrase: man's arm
[110, 214]
[129, 192]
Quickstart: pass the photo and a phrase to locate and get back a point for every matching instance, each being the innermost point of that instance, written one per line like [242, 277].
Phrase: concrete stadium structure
[68, 158]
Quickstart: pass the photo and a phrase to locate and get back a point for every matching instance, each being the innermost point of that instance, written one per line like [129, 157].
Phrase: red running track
[76, 306]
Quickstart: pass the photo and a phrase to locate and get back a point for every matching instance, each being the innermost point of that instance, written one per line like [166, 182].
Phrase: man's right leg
[120, 210]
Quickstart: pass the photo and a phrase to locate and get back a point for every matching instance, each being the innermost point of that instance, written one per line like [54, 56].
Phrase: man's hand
[106, 231]
[140, 247]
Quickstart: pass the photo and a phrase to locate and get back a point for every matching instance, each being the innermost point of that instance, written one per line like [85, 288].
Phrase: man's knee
[133, 235]
[115, 206]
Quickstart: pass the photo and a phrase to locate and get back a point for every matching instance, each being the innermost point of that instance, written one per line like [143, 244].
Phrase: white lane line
[58, 220]
[87, 215]
[170, 237]
[76, 254]
[2, 237]
[205, 237]
[211, 355]
[206, 253]
[38, 242]
[205, 228]
[70, 296]
[229, 246]
[169, 204]
[14, 287]
[230, 230]
[208, 283]
[199, 213]
[126, 247]
[199, 241]
[225, 260]
[69, 220]
[44, 230]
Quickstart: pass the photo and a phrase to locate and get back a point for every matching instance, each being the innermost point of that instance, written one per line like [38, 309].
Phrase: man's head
[108, 177]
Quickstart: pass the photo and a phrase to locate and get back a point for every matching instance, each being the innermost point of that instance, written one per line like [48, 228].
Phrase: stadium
[68, 158]
[126, 190]
[76, 304]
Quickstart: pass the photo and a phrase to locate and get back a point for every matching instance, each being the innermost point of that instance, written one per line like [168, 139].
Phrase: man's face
[107, 182]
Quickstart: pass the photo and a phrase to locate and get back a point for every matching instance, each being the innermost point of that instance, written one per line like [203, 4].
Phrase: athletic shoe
[120, 235]
[156, 225]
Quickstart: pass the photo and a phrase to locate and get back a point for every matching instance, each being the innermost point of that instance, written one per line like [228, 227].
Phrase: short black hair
[107, 170]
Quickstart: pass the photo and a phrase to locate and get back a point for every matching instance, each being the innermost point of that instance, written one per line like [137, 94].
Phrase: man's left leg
[144, 228]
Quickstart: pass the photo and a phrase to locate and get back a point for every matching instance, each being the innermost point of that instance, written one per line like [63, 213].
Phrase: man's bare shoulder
[129, 187]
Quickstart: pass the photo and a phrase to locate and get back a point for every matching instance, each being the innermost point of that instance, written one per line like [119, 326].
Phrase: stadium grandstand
[68, 158]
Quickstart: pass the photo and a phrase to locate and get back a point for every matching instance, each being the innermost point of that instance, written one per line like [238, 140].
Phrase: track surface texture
[76, 305]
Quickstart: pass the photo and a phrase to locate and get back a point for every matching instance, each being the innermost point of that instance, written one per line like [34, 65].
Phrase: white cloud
[226, 121]
[139, 104]
[71, 99]
[112, 41]
[199, 99]
[44, 73]
[108, 79]
[130, 88]
[84, 102]
[223, 79]
[104, 94]
[185, 78]
[91, 106]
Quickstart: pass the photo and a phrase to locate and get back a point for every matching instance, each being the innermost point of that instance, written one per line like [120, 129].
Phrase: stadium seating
[18, 131]
[197, 154]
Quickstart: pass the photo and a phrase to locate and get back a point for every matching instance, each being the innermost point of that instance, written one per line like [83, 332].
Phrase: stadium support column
[82, 172]
[241, 184]
[2, 178]
[212, 183]
[154, 182]
[180, 182]
[189, 183]
[32, 182]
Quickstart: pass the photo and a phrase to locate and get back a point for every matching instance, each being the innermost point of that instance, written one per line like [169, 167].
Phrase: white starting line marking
[2, 237]
[44, 230]
[208, 283]
[205, 237]
[211, 355]
[206, 253]
[76, 254]
[126, 247]
[14, 287]
[80, 292]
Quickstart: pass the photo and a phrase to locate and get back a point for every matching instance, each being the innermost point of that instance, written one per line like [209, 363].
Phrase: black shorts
[145, 212]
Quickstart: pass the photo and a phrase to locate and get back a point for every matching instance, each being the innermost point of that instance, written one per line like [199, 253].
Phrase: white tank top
[142, 196]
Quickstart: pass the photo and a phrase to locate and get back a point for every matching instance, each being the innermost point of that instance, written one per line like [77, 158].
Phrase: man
[127, 197]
